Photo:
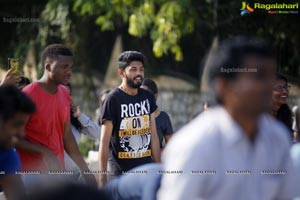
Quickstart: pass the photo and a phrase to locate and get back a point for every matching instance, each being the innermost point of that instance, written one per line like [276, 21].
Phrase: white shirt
[215, 142]
[90, 129]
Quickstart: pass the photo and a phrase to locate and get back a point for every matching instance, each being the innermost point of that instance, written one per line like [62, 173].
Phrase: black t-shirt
[163, 126]
[130, 144]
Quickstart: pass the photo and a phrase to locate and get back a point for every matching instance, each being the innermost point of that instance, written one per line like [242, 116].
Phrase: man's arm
[72, 149]
[12, 186]
[107, 128]
[49, 158]
[168, 137]
[155, 148]
[90, 128]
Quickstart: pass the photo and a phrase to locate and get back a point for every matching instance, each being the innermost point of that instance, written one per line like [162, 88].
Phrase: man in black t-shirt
[129, 136]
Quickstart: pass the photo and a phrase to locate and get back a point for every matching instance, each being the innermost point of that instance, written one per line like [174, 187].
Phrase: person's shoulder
[275, 130]
[10, 162]
[9, 154]
[63, 89]
[146, 92]
[31, 87]
[200, 137]
[115, 91]
[202, 130]
[164, 115]
[113, 95]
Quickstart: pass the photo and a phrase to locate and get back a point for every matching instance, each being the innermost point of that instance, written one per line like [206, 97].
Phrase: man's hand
[50, 160]
[76, 111]
[71, 148]
[10, 78]
[90, 179]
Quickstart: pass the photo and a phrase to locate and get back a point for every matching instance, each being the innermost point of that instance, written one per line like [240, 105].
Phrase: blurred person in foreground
[280, 109]
[295, 151]
[15, 109]
[235, 150]
[48, 132]
[73, 191]
[163, 123]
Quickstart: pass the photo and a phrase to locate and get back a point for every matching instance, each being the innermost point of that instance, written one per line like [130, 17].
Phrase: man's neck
[48, 85]
[157, 112]
[128, 90]
[247, 122]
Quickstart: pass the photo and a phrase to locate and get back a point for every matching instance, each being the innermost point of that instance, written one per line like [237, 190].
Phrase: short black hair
[231, 54]
[24, 81]
[151, 85]
[281, 77]
[54, 50]
[13, 101]
[127, 57]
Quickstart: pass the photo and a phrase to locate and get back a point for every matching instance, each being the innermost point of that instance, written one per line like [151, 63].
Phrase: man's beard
[131, 83]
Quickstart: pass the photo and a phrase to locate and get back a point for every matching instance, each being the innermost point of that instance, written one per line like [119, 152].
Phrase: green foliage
[169, 26]
[164, 21]
[54, 22]
[86, 145]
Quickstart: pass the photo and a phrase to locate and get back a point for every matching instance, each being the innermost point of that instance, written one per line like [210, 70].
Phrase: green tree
[166, 22]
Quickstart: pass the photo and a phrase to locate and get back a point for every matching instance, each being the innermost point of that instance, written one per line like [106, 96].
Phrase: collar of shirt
[233, 132]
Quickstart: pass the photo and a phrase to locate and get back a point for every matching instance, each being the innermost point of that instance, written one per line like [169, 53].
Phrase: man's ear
[48, 67]
[121, 72]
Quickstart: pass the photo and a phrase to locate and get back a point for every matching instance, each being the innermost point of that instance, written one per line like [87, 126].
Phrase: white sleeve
[294, 125]
[90, 128]
[289, 183]
[184, 156]
[295, 154]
